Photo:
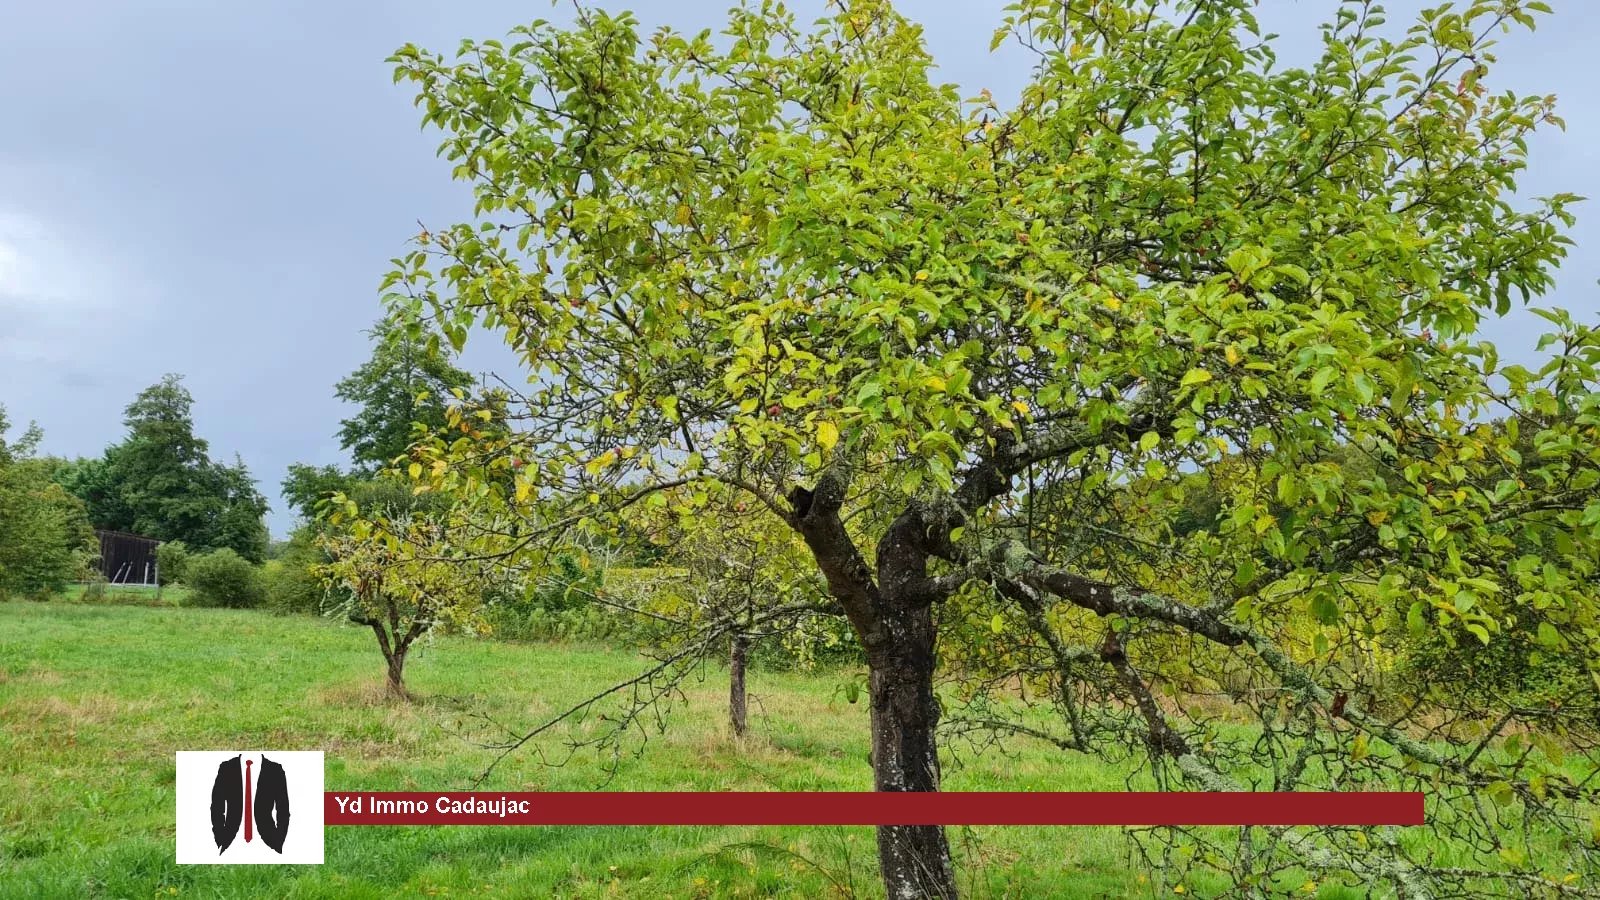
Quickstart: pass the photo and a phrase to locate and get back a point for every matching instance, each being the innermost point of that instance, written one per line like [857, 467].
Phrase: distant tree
[240, 521]
[306, 485]
[292, 579]
[407, 382]
[728, 563]
[45, 539]
[91, 480]
[160, 482]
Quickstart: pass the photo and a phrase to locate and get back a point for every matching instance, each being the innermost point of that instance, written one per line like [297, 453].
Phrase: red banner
[869, 808]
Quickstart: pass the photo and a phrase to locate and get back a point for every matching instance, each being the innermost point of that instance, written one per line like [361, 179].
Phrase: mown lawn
[94, 700]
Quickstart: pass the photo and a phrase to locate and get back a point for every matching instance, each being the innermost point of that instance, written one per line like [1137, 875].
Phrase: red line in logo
[248, 808]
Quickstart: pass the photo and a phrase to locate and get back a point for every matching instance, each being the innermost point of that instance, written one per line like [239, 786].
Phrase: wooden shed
[127, 558]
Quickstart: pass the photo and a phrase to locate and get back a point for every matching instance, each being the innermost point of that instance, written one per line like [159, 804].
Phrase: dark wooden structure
[127, 558]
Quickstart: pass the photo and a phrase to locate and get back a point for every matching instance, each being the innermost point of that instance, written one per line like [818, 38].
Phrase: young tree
[726, 563]
[789, 262]
[392, 568]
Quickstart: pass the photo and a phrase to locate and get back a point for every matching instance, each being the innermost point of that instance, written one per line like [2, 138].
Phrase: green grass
[127, 594]
[95, 699]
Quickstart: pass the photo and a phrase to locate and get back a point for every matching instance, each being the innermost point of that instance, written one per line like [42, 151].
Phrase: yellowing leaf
[1021, 406]
[415, 469]
[684, 215]
[936, 383]
[827, 435]
[1194, 377]
[997, 624]
[522, 491]
[1113, 303]
[922, 275]
[1233, 355]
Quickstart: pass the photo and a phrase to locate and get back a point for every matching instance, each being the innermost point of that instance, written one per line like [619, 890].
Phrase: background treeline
[159, 481]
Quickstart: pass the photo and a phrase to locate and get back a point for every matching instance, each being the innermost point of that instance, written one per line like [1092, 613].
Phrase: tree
[727, 563]
[406, 383]
[404, 386]
[790, 263]
[391, 570]
[45, 539]
[306, 486]
[239, 521]
[160, 482]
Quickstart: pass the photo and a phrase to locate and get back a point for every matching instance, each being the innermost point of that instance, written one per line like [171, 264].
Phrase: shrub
[223, 578]
[172, 561]
[291, 586]
[293, 582]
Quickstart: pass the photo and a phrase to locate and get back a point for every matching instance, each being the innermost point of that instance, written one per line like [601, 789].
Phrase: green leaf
[827, 435]
[1549, 636]
[1416, 619]
[1325, 608]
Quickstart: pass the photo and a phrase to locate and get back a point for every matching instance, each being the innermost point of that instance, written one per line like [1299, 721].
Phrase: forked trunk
[737, 706]
[396, 672]
[915, 858]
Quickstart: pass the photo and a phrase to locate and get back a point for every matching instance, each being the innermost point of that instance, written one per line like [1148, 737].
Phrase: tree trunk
[737, 707]
[893, 617]
[397, 680]
[914, 859]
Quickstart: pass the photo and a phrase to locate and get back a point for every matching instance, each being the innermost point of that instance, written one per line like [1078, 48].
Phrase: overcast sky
[215, 188]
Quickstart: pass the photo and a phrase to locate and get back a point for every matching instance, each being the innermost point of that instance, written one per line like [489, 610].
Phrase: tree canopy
[785, 260]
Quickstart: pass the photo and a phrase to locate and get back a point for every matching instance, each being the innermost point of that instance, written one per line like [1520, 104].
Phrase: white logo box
[198, 789]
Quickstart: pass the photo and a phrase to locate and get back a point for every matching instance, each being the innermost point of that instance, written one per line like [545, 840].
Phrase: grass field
[95, 699]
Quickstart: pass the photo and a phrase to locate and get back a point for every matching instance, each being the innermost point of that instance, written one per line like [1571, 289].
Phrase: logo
[248, 808]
